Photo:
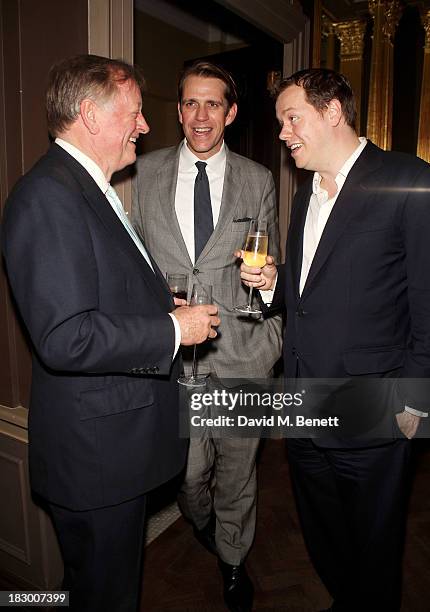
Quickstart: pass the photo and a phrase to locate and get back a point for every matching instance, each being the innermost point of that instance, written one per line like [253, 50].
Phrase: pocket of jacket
[115, 399]
[240, 224]
[373, 360]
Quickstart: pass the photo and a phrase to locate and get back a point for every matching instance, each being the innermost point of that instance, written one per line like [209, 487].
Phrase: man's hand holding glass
[263, 278]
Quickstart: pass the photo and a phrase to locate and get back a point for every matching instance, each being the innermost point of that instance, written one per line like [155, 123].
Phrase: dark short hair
[322, 85]
[212, 71]
[80, 77]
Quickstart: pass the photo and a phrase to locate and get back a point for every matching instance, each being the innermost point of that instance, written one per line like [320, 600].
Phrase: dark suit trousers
[352, 506]
[102, 552]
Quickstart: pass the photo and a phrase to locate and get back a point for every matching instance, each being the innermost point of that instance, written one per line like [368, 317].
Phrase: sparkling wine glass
[178, 285]
[201, 294]
[255, 256]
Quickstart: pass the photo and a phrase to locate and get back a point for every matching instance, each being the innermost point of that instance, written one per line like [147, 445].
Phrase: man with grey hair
[104, 331]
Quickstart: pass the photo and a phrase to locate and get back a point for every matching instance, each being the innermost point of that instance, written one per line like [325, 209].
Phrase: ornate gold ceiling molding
[351, 36]
[391, 13]
[425, 18]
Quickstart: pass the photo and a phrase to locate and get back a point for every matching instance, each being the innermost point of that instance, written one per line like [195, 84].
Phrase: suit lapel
[232, 189]
[348, 203]
[295, 236]
[167, 178]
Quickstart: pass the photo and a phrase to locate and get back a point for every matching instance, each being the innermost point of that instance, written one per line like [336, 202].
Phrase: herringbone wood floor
[180, 576]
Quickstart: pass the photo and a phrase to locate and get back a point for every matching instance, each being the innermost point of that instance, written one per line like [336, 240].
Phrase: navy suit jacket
[103, 420]
[365, 307]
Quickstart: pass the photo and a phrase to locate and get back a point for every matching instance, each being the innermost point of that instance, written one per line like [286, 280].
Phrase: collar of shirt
[90, 166]
[342, 174]
[215, 163]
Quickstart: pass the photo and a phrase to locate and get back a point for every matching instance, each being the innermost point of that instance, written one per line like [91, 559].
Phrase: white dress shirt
[97, 174]
[319, 210]
[184, 197]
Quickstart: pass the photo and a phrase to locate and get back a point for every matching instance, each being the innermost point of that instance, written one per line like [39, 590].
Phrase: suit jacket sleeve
[278, 301]
[54, 274]
[416, 231]
[268, 211]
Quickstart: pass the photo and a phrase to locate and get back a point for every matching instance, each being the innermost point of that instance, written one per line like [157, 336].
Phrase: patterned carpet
[160, 521]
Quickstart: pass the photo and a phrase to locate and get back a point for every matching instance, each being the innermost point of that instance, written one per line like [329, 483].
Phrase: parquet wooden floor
[180, 576]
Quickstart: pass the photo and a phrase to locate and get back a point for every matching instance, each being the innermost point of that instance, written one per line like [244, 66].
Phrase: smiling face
[305, 131]
[204, 114]
[120, 122]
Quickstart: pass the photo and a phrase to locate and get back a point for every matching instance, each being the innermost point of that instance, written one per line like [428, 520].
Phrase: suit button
[300, 312]
[133, 371]
[196, 271]
[155, 369]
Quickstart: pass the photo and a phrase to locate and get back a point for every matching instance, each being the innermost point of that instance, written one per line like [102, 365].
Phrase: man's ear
[88, 112]
[334, 111]
[231, 115]
[179, 112]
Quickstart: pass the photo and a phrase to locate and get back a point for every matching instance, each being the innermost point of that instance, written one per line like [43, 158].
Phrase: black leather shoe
[238, 588]
[206, 536]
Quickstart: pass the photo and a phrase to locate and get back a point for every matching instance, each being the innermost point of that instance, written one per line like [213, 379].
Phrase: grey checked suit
[245, 348]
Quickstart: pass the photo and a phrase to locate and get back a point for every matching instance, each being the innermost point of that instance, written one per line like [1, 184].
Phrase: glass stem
[194, 370]
[250, 296]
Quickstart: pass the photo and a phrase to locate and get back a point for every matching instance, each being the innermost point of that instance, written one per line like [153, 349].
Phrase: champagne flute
[201, 294]
[178, 285]
[255, 256]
